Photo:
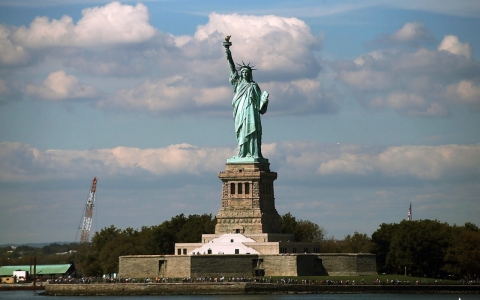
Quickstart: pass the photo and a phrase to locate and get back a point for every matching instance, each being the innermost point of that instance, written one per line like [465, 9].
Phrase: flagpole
[409, 215]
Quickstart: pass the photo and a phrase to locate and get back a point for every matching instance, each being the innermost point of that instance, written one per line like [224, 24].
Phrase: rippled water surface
[28, 295]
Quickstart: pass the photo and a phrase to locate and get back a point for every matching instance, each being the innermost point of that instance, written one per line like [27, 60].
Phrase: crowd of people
[274, 280]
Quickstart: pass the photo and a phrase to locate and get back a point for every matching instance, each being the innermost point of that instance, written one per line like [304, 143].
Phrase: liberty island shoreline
[244, 288]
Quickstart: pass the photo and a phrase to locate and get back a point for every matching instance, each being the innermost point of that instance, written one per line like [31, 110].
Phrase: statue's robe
[247, 107]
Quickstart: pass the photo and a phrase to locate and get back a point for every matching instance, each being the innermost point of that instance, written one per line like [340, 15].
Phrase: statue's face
[247, 74]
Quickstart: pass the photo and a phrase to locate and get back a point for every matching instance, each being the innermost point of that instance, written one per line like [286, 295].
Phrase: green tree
[101, 238]
[427, 247]
[470, 226]
[419, 246]
[88, 262]
[463, 254]
[101, 256]
[56, 248]
[126, 243]
[194, 227]
[381, 240]
[331, 245]
[304, 230]
[357, 243]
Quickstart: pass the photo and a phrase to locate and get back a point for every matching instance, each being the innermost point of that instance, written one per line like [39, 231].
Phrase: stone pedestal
[248, 200]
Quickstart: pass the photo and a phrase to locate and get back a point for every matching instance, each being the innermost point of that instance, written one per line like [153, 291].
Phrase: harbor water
[30, 295]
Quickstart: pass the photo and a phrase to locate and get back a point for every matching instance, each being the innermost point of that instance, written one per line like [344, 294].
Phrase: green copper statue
[248, 104]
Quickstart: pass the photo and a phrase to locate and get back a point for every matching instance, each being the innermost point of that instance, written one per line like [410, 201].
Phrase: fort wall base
[236, 288]
[217, 266]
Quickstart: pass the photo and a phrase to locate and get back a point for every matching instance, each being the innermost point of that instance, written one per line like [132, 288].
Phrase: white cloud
[213, 96]
[179, 74]
[300, 96]
[466, 92]
[265, 41]
[418, 82]
[451, 44]
[337, 182]
[86, 45]
[346, 164]
[365, 80]
[201, 71]
[46, 33]
[11, 53]
[421, 162]
[411, 33]
[20, 162]
[179, 94]
[60, 86]
[176, 74]
[113, 23]
[413, 105]
[173, 94]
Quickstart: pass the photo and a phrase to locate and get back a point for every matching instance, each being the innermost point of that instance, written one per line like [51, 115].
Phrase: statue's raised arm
[248, 103]
[228, 53]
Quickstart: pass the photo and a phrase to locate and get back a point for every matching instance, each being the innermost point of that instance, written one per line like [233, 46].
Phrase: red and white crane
[88, 214]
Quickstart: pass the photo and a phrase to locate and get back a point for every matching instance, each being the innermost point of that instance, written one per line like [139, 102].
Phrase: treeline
[50, 254]
[101, 255]
[421, 248]
[428, 248]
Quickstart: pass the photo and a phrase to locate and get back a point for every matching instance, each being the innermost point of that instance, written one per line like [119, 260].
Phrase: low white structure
[227, 244]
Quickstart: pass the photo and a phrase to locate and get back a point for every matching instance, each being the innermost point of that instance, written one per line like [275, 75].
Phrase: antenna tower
[87, 219]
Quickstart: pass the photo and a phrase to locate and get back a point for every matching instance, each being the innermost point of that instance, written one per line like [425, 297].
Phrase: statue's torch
[227, 42]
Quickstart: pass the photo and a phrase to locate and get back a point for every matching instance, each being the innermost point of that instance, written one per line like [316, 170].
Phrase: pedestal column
[248, 200]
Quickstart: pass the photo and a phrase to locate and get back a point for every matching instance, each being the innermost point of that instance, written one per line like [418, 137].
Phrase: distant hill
[34, 245]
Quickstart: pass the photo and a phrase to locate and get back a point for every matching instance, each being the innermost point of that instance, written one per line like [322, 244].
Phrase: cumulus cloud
[179, 74]
[113, 23]
[450, 43]
[11, 54]
[266, 41]
[301, 96]
[263, 41]
[98, 30]
[412, 33]
[60, 86]
[421, 162]
[20, 162]
[173, 94]
[200, 70]
[466, 92]
[419, 82]
[412, 104]
[179, 94]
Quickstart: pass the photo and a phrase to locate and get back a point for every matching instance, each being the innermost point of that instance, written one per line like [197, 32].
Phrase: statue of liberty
[248, 104]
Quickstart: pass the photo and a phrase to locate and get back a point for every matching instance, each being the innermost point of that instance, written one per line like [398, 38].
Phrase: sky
[373, 105]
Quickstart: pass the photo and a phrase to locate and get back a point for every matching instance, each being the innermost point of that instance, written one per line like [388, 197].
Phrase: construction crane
[88, 214]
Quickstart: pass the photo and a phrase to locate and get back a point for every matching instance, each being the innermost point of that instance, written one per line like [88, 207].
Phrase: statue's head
[247, 74]
[246, 71]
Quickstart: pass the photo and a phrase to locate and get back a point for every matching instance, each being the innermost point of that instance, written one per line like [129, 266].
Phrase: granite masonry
[248, 241]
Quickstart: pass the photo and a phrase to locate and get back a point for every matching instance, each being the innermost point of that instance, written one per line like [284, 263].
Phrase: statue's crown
[243, 65]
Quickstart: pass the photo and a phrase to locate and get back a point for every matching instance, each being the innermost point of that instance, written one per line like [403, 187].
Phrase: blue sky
[373, 105]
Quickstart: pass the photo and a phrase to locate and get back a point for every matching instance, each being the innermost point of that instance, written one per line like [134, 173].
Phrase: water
[29, 295]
